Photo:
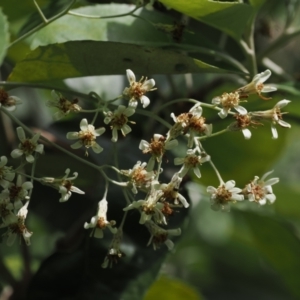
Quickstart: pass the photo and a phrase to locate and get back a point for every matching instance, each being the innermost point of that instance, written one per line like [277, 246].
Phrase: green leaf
[88, 58]
[171, 289]
[257, 4]
[279, 246]
[4, 36]
[230, 17]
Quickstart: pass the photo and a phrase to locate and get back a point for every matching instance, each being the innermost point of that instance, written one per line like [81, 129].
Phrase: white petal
[74, 189]
[129, 111]
[240, 109]
[3, 161]
[27, 185]
[130, 76]
[223, 113]
[262, 77]
[169, 244]
[229, 184]
[100, 131]
[145, 101]
[77, 145]
[97, 148]
[125, 129]
[183, 201]
[178, 161]
[35, 138]
[21, 134]
[274, 132]
[39, 148]
[144, 145]
[272, 181]
[30, 158]
[268, 89]
[284, 124]
[216, 100]
[83, 125]
[197, 172]
[98, 233]
[282, 103]
[237, 197]
[16, 153]
[171, 144]
[114, 135]
[271, 198]
[149, 84]
[208, 129]
[247, 133]
[211, 189]
[262, 201]
[72, 135]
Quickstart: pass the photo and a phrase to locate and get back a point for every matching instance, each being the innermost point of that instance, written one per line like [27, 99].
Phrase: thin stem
[40, 12]
[124, 217]
[211, 163]
[103, 17]
[32, 173]
[35, 29]
[63, 150]
[213, 134]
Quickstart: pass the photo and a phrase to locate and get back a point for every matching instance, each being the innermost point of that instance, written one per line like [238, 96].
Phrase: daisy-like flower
[6, 173]
[223, 195]
[256, 86]
[99, 222]
[139, 177]
[274, 115]
[64, 185]
[114, 253]
[17, 192]
[170, 192]
[87, 136]
[27, 146]
[260, 191]
[149, 208]
[16, 226]
[9, 102]
[118, 120]
[156, 148]
[137, 90]
[160, 235]
[64, 105]
[229, 101]
[191, 161]
[192, 121]
[241, 124]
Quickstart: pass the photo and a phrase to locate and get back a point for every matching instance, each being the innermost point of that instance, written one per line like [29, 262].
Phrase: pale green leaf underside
[4, 36]
[88, 58]
[230, 17]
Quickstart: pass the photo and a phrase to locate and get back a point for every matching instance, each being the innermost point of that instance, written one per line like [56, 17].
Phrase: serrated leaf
[4, 36]
[229, 17]
[88, 58]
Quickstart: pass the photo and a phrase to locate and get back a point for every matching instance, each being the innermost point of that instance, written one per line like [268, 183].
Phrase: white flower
[99, 222]
[64, 105]
[260, 191]
[86, 136]
[156, 148]
[139, 177]
[16, 226]
[192, 122]
[64, 185]
[191, 161]
[160, 235]
[9, 102]
[114, 253]
[27, 146]
[170, 191]
[118, 120]
[137, 90]
[223, 195]
[257, 86]
[149, 208]
[6, 173]
[241, 124]
[274, 115]
[17, 192]
[229, 101]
